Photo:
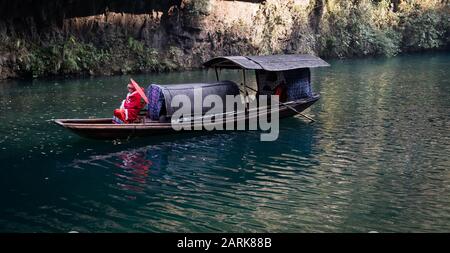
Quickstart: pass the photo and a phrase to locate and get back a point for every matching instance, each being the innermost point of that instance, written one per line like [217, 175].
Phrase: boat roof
[267, 62]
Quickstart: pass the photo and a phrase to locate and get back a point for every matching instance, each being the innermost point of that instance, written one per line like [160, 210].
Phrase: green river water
[376, 159]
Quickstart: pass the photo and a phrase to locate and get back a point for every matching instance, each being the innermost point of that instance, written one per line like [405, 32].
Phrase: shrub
[68, 57]
[358, 29]
[423, 28]
[144, 58]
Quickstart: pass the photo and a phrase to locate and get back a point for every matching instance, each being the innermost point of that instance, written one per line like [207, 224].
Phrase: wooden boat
[294, 70]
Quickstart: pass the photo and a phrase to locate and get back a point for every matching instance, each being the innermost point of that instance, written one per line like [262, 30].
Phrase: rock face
[40, 19]
[30, 28]
[104, 37]
[183, 33]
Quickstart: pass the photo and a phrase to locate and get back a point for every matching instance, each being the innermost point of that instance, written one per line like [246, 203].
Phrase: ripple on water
[376, 159]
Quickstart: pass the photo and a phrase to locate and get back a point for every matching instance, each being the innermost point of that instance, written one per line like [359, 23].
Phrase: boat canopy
[267, 62]
[161, 96]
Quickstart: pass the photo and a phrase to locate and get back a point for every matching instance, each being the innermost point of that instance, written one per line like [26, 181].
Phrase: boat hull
[104, 128]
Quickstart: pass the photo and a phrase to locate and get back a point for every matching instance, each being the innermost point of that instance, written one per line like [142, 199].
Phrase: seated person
[130, 107]
[280, 90]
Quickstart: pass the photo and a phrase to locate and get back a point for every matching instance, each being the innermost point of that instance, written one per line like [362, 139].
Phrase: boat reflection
[235, 157]
[135, 168]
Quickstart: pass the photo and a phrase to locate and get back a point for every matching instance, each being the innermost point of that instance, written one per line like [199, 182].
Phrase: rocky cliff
[72, 37]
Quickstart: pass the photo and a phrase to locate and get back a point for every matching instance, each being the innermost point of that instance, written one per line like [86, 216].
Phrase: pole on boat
[245, 88]
[295, 110]
[245, 82]
[217, 74]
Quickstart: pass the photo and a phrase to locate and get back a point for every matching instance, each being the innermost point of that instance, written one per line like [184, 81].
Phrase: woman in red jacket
[129, 110]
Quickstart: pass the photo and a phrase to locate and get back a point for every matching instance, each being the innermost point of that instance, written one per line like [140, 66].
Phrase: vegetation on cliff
[189, 33]
[341, 29]
[73, 57]
[374, 28]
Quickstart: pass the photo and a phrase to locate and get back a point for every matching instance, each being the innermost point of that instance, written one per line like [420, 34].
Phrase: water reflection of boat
[239, 157]
[293, 71]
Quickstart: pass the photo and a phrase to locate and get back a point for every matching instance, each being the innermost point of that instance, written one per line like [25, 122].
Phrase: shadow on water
[235, 155]
[240, 147]
[167, 177]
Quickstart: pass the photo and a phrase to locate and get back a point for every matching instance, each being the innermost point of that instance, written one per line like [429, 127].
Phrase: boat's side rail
[227, 116]
[250, 111]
